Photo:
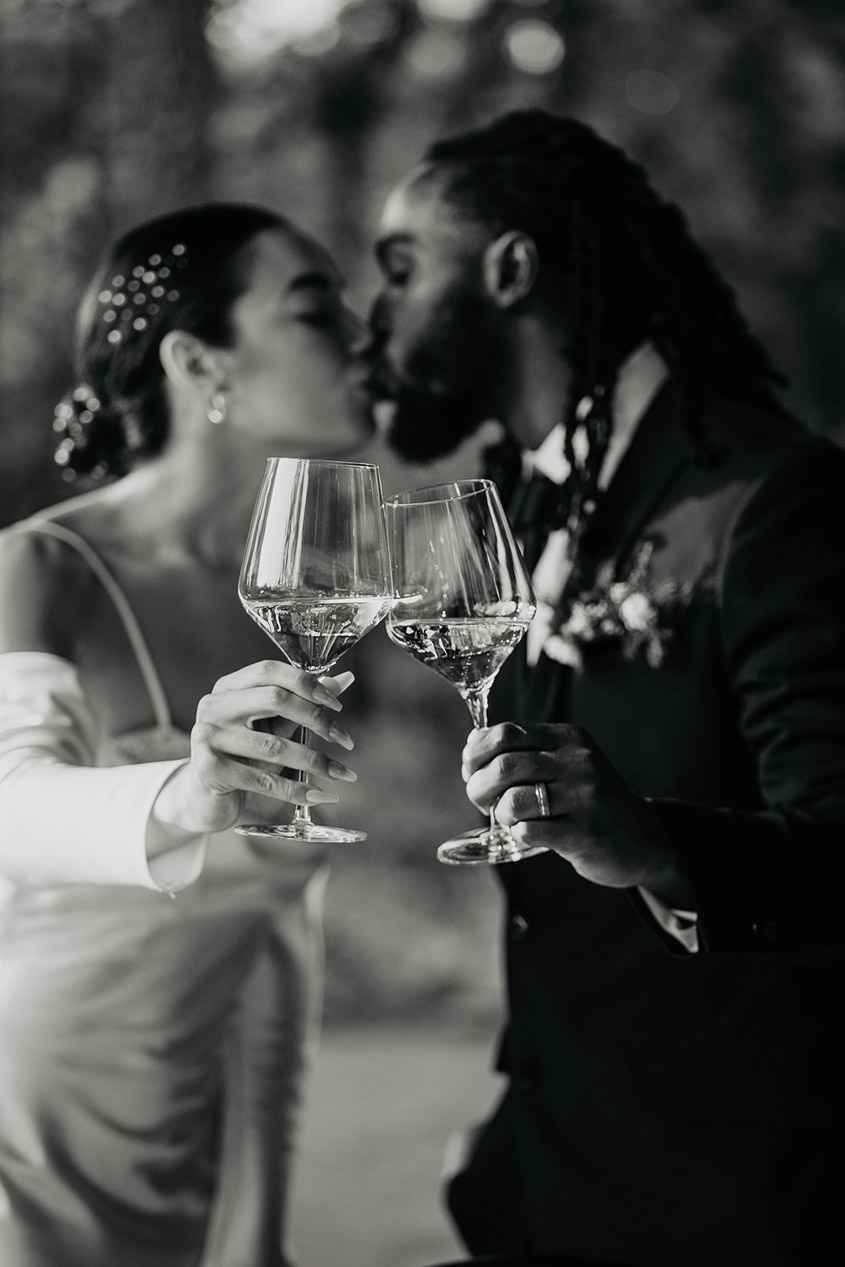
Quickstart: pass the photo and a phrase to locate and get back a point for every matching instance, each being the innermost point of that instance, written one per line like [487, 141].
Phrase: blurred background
[112, 111]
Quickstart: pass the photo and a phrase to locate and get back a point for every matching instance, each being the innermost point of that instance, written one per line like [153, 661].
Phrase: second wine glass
[462, 602]
[315, 577]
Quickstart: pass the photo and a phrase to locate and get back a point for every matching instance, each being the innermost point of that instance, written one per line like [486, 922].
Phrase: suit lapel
[659, 454]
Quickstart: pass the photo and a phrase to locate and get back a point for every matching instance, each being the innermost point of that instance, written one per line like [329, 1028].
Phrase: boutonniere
[634, 611]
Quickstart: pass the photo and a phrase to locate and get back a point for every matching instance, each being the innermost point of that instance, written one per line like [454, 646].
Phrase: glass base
[302, 831]
[485, 847]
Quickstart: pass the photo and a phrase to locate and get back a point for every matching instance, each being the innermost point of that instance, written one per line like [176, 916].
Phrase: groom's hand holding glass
[462, 603]
[588, 814]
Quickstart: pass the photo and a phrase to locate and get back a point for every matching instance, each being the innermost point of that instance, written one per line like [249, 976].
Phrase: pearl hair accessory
[129, 302]
[72, 420]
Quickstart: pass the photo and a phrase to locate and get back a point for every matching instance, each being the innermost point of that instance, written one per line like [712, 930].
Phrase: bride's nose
[356, 334]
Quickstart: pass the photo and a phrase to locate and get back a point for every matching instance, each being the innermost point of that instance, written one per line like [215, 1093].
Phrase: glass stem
[302, 814]
[477, 705]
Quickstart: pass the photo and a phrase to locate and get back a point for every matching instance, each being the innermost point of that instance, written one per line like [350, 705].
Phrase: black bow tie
[539, 505]
[535, 504]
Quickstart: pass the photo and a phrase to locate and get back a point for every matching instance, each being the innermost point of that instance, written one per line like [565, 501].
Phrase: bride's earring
[216, 411]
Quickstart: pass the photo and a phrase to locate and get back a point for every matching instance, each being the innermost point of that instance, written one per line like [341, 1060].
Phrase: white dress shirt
[640, 378]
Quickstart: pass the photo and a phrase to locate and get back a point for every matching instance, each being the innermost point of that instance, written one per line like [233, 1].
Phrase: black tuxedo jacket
[665, 1107]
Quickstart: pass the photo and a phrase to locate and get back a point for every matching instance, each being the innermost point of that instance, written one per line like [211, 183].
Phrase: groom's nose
[374, 333]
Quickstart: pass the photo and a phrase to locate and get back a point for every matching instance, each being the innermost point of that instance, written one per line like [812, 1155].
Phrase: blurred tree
[106, 108]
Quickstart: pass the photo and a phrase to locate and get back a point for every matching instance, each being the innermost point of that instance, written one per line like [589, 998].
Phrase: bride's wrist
[183, 808]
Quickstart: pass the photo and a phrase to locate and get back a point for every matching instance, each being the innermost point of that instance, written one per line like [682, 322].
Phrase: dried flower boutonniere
[633, 611]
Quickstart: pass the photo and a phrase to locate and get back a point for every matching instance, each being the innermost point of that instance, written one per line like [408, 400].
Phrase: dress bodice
[161, 735]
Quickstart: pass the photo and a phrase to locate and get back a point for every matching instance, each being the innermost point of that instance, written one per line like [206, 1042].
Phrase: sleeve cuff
[178, 866]
[681, 926]
[96, 831]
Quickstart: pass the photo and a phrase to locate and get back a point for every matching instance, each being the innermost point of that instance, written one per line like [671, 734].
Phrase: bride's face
[294, 372]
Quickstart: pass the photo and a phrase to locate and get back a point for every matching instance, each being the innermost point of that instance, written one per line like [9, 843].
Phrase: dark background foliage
[115, 110]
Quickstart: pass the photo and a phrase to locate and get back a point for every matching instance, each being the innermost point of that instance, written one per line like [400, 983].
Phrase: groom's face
[438, 341]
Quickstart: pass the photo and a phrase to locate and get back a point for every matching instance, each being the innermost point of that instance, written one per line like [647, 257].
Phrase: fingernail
[338, 735]
[322, 696]
[316, 796]
[340, 771]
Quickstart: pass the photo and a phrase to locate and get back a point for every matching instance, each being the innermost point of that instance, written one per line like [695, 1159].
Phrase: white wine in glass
[315, 577]
[462, 602]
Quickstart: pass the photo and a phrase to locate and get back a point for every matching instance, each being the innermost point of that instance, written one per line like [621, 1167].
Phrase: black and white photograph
[422, 633]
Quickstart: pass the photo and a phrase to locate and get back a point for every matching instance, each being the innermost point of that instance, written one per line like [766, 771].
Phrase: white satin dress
[155, 1028]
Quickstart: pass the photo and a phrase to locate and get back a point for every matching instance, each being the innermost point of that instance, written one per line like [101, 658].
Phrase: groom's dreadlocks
[622, 261]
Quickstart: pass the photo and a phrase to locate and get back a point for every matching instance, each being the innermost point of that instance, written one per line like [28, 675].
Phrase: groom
[673, 731]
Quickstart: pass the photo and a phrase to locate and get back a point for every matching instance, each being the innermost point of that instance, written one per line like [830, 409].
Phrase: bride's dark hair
[180, 271]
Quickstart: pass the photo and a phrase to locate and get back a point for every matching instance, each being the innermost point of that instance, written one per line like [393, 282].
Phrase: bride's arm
[63, 820]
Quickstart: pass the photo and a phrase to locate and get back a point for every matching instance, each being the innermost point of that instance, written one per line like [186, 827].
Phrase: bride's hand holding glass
[315, 578]
[242, 743]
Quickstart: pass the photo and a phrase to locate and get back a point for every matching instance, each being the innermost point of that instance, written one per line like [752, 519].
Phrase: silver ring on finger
[542, 794]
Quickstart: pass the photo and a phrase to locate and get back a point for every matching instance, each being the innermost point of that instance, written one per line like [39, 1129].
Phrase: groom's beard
[442, 393]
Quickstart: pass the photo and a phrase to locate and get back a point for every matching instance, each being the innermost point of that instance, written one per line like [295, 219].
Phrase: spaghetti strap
[149, 673]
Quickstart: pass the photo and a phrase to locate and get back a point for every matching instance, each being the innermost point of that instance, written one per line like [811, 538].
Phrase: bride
[152, 1051]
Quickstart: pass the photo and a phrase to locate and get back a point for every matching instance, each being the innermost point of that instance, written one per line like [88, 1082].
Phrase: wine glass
[315, 577]
[462, 602]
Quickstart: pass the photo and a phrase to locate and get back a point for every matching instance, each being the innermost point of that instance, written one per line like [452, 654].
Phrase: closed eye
[319, 319]
[394, 258]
